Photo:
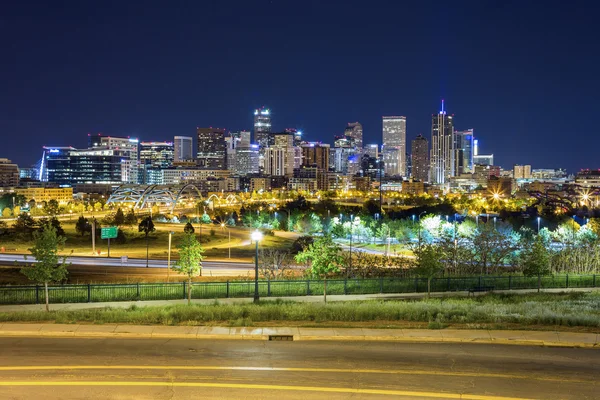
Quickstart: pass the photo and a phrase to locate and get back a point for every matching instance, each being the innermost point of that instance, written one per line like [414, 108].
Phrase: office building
[372, 150]
[522, 172]
[464, 152]
[9, 173]
[247, 160]
[262, 127]
[394, 145]
[483, 159]
[420, 158]
[371, 167]
[316, 154]
[280, 157]
[354, 131]
[212, 149]
[156, 154]
[183, 148]
[442, 148]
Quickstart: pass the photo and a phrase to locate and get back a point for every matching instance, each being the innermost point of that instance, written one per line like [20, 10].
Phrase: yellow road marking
[403, 393]
[290, 369]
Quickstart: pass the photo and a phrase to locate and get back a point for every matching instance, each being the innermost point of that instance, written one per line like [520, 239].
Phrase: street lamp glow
[256, 236]
[496, 196]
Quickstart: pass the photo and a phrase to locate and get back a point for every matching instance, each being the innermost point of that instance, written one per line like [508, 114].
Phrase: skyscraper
[212, 149]
[279, 158]
[464, 152]
[354, 131]
[156, 154]
[420, 158]
[394, 145]
[262, 127]
[183, 149]
[442, 147]
[124, 145]
[316, 155]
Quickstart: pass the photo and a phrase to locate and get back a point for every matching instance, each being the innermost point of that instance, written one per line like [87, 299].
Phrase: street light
[256, 237]
[229, 233]
[169, 257]
[538, 220]
[494, 222]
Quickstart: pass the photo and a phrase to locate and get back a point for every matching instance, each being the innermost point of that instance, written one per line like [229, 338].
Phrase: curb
[519, 338]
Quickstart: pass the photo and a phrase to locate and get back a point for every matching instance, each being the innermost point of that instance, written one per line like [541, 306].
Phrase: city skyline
[497, 69]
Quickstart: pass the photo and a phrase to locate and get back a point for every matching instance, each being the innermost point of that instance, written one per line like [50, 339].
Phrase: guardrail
[214, 290]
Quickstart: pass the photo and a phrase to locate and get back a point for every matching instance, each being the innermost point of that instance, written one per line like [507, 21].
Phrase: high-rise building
[372, 150]
[246, 160]
[354, 131]
[122, 145]
[9, 173]
[280, 157]
[262, 127]
[183, 148]
[244, 138]
[522, 172]
[420, 158]
[394, 145]
[316, 155]
[212, 149]
[483, 159]
[156, 154]
[464, 152]
[442, 147]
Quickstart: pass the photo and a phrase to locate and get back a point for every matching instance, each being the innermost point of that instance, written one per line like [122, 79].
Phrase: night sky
[523, 74]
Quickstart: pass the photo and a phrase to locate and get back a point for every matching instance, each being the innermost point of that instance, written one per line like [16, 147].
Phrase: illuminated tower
[443, 147]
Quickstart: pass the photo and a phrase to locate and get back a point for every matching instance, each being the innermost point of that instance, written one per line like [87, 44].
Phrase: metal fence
[216, 290]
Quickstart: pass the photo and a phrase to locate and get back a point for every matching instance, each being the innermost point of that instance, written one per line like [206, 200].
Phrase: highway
[214, 268]
[53, 368]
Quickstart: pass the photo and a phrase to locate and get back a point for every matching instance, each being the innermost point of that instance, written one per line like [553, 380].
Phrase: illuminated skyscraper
[464, 152]
[212, 149]
[183, 148]
[420, 158]
[394, 145]
[354, 131]
[262, 127]
[442, 147]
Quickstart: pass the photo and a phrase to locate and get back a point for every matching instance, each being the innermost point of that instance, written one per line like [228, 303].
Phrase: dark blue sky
[523, 74]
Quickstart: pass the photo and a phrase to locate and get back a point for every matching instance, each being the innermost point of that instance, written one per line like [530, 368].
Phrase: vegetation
[325, 259]
[47, 267]
[555, 311]
[190, 260]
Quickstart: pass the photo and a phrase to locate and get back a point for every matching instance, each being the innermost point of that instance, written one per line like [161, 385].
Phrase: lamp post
[420, 227]
[351, 227]
[538, 221]
[256, 237]
[494, 222]
[229, 234]
[169, 257]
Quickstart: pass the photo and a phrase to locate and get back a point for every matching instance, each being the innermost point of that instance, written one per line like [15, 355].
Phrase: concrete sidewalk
[304, 299]
[526, 338]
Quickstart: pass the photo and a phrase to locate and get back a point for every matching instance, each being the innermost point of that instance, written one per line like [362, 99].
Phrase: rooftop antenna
[442, 112]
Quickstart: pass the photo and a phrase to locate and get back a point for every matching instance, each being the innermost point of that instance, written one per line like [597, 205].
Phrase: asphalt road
[214, 268]
[48, 368]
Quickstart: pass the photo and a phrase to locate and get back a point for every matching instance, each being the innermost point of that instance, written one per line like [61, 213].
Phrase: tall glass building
[442, 147]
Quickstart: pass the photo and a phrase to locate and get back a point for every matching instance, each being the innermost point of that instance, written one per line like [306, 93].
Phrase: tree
[82, 226]
[24, 224]
[302, 243]
[205, 219]
[131, 218]
[492, 246]
[428, 263]
[48, 267]
[146, 226]
[53, 222]
[190, 260]
[119, 218]
[273, 263]
[325, 258]
[189, 228]
[52, 208]
[535, 260]
[7, 213]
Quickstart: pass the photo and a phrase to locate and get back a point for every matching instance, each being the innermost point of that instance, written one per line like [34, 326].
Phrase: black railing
[214, 290]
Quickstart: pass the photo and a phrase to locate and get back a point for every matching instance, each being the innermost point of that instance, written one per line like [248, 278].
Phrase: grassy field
[216, 245]
[566, 311]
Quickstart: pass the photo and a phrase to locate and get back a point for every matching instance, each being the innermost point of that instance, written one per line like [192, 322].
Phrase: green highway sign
[109, 232]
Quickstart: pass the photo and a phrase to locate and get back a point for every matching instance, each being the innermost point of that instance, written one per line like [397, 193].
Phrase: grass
[565, 310]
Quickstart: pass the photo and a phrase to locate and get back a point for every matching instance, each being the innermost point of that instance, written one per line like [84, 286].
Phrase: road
[214, 268]
[51, 368]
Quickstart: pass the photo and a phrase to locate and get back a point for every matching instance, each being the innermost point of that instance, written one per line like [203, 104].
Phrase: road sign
[109, 232]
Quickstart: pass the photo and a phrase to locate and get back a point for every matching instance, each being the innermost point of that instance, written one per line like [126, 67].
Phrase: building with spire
[443, 148]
